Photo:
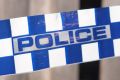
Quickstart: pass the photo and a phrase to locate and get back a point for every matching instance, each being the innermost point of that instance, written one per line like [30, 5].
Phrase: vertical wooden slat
[52, 6]
[110, 69]
[70, 72]
[106, 3]
[2, 9]
[90, 71]
[14, 8]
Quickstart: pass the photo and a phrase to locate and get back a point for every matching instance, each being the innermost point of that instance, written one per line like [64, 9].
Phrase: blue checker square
[7, 65]
[106, 48]
[70, 20]
[73, 53]
[5, 30]
[115, 30]
[40, 59]
[102, 16]
[36, 24]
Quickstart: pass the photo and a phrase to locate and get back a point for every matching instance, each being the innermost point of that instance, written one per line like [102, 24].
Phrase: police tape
[44, 41]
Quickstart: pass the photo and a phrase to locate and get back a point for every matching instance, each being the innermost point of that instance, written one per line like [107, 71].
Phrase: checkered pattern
[78, 53]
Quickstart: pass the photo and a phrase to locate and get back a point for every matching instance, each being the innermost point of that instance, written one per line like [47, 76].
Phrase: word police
[60, 38]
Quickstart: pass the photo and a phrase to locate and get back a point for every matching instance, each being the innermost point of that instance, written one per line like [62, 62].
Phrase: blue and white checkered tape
[69, 37]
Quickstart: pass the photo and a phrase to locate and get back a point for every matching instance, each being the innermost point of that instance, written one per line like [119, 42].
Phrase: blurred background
[108, 69]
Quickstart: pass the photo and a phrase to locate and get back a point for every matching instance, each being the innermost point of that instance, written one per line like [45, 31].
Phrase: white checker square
[6, 47]
[19, 26]
[115, 13]
[53, 22]
[23, 63]
[116, 43]
[57, 57]
[86, 17]
[90, 52]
